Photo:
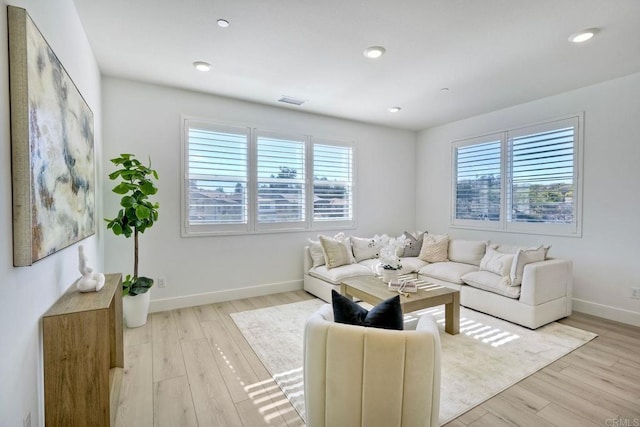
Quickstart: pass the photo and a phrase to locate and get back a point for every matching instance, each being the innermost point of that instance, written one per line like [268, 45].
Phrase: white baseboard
[220, 296]
[612, 313]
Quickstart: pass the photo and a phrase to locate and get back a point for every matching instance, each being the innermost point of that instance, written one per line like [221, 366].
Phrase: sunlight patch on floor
[269, 397]
[485, 333]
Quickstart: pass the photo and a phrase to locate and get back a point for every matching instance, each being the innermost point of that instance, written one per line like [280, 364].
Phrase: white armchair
[357, 376]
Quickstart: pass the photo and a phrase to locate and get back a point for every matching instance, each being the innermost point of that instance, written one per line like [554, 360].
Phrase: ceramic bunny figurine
[89, 281]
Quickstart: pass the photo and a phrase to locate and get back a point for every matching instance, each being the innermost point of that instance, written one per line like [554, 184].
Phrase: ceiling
[490, 54]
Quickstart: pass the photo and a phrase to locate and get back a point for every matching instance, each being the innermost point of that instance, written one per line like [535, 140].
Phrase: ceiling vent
[291, 100]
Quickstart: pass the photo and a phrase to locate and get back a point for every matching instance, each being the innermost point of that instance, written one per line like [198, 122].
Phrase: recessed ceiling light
[583, 36]
[394, 109]
[374, 52]
[202, 66]
[444, 89]
[223, 23]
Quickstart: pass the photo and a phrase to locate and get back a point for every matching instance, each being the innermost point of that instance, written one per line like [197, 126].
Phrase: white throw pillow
[434, 248]
[316, 252]
[522, 258]
[498, 263]
[365, 248]
[337, 250]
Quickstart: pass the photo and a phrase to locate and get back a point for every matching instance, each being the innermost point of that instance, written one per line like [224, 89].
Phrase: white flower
[389, 253]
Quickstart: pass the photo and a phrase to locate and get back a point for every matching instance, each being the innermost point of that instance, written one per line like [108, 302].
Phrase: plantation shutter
[332, 182]
[217, 161]
[542, 161]
[477, 185]
[280, 179]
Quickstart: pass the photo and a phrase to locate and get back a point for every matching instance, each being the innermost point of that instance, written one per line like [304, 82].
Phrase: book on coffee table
[404, 285]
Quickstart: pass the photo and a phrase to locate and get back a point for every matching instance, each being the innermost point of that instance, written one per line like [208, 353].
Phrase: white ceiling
[491, 54]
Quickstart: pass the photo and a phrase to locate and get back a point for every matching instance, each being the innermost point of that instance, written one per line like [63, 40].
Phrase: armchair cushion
[386, 315]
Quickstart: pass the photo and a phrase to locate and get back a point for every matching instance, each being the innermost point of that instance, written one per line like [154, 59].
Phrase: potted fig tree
[137, 214]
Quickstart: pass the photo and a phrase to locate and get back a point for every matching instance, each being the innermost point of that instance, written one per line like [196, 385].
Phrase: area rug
[488, 356]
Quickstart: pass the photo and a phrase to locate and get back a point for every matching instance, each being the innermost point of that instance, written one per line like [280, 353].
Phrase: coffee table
[373, 290]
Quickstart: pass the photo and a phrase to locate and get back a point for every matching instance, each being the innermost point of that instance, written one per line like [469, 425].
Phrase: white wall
[144, 119]
[606, 257]
[27, 292]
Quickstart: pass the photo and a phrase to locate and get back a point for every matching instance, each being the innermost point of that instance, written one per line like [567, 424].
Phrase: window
[281, 180]
[478, 181]
[332, 183]
[217, 177]
[520, 180]
[244, 180]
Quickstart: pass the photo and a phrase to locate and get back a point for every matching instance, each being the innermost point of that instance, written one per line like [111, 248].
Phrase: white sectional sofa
[530, 294]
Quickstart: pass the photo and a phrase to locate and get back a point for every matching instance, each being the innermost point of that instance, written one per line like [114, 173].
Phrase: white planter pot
[135, 309]
[389, 275]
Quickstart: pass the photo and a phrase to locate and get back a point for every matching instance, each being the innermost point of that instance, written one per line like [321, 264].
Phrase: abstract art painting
[52, 152]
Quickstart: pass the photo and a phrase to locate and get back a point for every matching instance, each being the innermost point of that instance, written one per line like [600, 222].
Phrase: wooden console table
[83, 356]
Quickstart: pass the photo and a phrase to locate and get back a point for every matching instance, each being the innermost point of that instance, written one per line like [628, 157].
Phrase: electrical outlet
[635, 293]
[162, 282]
[27, 420]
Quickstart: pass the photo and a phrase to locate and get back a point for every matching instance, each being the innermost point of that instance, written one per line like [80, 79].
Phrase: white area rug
[488, 356]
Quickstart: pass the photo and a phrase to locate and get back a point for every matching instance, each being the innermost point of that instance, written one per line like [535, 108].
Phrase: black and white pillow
[414, 244]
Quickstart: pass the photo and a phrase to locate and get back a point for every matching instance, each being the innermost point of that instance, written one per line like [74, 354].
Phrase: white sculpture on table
[89, 281]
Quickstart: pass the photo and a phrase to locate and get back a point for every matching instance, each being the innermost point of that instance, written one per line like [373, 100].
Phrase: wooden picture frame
[52, 150]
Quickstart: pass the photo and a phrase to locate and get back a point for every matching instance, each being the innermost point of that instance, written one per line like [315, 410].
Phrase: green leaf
[127, 230]
[142, 212]
[148, 188]
[117, 229]
[121, 188]
[140, 285]
[127, 201]
[144, 281]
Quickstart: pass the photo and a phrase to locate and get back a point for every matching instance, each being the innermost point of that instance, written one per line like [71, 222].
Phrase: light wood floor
[193, 367]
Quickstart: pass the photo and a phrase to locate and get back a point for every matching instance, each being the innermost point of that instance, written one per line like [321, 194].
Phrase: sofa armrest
[307, 262]
[546, 281]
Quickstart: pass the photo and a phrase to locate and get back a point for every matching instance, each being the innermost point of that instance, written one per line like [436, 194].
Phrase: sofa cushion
[434, 248]
[447, 271]
[491, 282]
[522, 258]
[337, 250]
[365, 248]
[497, 263]
[385, 315]
[413, 245]
[338, 274]
[466, 251]
[316, 252]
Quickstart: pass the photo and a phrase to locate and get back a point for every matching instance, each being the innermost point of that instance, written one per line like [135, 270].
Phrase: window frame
[573, 229]
[252, 226]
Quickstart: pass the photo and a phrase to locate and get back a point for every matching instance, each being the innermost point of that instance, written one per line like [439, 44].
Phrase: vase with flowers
[390, 261]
